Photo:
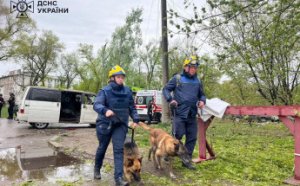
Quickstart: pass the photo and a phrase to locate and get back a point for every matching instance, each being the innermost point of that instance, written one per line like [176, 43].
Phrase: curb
[53, 143]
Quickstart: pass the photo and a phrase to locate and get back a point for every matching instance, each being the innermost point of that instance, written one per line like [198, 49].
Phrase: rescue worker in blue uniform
[113, 101]
[187, 96]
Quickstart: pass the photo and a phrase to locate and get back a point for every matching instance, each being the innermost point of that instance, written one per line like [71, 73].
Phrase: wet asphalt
[25, 156]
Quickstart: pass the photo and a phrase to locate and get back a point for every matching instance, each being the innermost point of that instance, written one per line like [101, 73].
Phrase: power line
[150, 12]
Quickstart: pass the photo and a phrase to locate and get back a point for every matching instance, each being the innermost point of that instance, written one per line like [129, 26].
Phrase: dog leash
[172, 107]
[132, 134]
[120, 121]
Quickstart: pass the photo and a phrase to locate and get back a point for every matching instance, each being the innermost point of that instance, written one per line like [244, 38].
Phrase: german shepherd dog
[132, 162]
[163, 145]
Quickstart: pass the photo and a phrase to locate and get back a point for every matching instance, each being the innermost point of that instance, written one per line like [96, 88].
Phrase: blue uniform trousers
[187, 127]
[104, 134]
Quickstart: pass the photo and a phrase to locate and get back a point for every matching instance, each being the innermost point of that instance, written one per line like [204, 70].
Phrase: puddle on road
[42, 165]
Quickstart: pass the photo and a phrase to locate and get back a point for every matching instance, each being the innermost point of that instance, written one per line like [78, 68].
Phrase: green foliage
[257, 59]
[10, 30]
[67, 183]
[122, 50]
[4, 112]
[210, 76]
[90, 69]
[38, 55]
[255, 40]
[176, 58]
[135, 89]
[108, 167]
[239, 92]
[150, 57]
[68, 69]
[28, 183]
[297, 96]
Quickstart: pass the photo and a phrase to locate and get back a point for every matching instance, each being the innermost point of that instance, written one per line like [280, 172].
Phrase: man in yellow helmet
[114, 104]
[187, 97]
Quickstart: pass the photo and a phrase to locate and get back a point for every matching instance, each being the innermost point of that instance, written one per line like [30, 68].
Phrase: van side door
[43, 105]
[88, 115]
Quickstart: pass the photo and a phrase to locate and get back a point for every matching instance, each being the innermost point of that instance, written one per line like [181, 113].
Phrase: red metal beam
[203, 144]
[288, 123]
[295, 180]
[281, 111]
[264, 110]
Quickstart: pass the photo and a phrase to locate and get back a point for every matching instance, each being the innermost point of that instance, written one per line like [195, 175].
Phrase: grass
[27, 183]
[4, 112]
[257, 154]
[58, 183]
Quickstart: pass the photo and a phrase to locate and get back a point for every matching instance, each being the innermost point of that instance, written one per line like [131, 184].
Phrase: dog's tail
[144, 126]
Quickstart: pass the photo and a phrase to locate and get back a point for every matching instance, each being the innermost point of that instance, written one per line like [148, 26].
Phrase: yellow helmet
[191, 61]
[116, 70]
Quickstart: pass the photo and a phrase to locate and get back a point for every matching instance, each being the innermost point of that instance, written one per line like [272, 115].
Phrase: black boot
[121, 182]
[188, 165]
[97, 175]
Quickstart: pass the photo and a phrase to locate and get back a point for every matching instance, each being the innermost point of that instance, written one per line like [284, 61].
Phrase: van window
[143, 100]
[89, 99]
[44, 95]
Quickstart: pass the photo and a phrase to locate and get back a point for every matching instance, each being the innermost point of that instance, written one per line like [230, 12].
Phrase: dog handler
[188, 95]
[115, 99]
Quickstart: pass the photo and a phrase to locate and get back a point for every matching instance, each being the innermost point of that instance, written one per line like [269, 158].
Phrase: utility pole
[165, 61]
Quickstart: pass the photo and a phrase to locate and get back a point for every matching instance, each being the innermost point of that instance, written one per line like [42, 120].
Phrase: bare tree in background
[38, 55]
[151, 57]
[10, 28]
[68, 71]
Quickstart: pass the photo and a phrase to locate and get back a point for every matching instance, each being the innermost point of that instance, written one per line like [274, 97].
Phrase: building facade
[16, 82]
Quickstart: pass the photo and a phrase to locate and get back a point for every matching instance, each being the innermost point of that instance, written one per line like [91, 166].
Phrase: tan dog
[163, 145]
[132, 162]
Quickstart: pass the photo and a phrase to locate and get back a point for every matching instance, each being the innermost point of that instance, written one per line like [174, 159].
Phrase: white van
[142, 99]
[41, 106]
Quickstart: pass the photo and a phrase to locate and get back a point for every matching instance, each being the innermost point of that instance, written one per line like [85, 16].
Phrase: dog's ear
[140, 159]
[129, 162]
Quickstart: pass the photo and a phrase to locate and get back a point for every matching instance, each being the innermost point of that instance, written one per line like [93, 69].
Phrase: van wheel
[92, 125]
[40, 125]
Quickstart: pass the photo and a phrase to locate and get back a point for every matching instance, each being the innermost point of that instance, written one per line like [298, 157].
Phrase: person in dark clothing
[15, 110]
[11, 104]
[149, 111]
[113, 101]
[187, 97]
[1, 103]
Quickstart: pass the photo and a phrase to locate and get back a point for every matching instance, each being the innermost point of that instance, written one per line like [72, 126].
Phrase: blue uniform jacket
[187, 91]
[118, 99]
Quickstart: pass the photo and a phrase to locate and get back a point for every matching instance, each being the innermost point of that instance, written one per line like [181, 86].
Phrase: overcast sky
[93, 21]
